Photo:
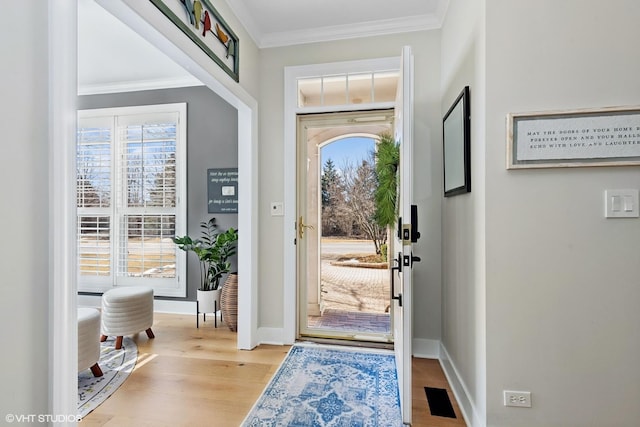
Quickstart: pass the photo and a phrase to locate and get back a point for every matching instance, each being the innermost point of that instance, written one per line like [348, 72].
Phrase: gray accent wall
[212, 142]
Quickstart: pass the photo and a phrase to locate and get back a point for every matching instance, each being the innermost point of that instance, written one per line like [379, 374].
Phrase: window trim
[175, 287]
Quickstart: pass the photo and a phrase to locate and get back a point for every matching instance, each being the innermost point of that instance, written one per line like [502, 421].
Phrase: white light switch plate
[621, 204]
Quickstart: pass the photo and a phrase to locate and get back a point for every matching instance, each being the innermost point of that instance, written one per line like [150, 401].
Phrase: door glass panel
[347, 89]
[384, 86]
[344, 276]
[360, 88]
[310, 92]
[334, 90]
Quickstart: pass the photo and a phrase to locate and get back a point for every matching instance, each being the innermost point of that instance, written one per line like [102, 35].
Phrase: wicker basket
[229, 301]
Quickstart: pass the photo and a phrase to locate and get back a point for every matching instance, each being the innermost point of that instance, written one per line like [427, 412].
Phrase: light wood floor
[197, 377]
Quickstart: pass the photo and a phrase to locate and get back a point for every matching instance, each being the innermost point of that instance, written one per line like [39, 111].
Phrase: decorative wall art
[594, 137]
[202, 23]
[456, 140]
[222, 190]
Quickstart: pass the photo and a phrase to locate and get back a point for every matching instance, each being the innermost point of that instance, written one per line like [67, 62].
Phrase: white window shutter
[131, 177]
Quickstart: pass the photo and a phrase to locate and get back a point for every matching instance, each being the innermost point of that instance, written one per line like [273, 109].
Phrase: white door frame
[291, 109]
[63, 91]
[63, 332]
[335, 127]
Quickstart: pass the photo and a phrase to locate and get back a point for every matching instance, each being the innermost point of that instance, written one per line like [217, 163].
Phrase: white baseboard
[426, 348]
[272, 336]
[90, 301]
[159, 305]
[460, 390]
[174, 307]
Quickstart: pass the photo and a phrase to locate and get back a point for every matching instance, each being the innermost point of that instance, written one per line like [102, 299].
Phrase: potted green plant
[213, 249]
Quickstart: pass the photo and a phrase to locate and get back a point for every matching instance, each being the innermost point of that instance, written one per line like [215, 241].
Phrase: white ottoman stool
[127, 311]
[89, 340]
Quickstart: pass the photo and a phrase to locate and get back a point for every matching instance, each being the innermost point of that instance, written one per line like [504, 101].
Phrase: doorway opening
[62, 71]
[342, 251]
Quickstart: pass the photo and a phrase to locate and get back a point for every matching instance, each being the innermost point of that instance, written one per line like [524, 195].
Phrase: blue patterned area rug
[116, 365]
[330, 386]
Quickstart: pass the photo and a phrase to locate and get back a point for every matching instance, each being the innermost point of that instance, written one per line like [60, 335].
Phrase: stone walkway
[355, 299]
[364, 290]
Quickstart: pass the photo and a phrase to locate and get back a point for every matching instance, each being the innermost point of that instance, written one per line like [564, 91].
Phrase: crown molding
[338, 32]
[441, 11]
[138, 85]
[351, 31]
[249, 24]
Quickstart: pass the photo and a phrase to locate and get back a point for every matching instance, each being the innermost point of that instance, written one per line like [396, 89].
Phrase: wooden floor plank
[428, 373]
[197, 377]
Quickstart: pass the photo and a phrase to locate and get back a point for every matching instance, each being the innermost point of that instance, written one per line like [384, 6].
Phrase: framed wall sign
[594, 137]
[456, 141]
[222, 190]
[202, 23]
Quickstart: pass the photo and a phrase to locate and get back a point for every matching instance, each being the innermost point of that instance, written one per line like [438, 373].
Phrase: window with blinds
[130, 198]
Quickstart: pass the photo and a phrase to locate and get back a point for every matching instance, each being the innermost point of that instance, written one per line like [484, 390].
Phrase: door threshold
[347, 342]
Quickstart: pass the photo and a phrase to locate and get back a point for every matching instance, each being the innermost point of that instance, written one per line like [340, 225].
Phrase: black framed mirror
[456, 146]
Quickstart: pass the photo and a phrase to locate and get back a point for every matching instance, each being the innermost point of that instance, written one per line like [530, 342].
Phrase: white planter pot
[208, 301]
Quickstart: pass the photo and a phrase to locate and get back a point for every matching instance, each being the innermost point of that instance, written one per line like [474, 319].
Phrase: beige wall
[426, 49]
[562, 281]
[24, 262]
[463, 218]
[530, 254]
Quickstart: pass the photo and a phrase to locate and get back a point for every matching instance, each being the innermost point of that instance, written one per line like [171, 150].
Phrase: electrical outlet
[521, 399]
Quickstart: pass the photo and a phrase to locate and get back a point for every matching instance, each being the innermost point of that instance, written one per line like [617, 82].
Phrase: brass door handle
[302, 226]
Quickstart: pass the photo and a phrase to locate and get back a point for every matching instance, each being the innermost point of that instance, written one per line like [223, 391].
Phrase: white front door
[404, 234]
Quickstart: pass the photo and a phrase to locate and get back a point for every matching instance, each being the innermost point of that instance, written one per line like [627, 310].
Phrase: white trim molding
[63, 332]
[159, 305]
[350, 31]
[263, 39]
[138, 85]
[460, 391]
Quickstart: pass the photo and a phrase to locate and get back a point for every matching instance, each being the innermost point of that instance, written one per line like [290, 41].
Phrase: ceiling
[112, 57]
[286, 22]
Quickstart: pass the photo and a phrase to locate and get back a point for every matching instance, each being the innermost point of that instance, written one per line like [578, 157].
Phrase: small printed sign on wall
[595, 137]
[222, 190]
